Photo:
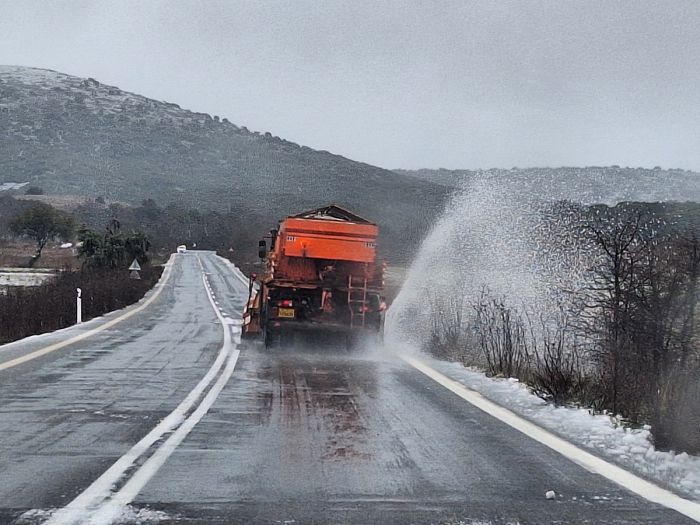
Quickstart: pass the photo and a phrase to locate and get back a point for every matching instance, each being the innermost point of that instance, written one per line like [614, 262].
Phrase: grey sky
[400, 84]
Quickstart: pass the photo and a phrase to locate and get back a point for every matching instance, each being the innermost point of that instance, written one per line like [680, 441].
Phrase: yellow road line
[57, 346]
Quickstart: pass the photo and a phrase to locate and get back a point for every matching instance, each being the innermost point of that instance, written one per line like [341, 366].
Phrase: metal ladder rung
[357, 289]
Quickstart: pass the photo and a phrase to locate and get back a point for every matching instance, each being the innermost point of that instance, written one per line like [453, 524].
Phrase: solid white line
[110, 510]
[113, 508]
[587, 460]
[93, 498]
[157, 289]
[102, 487]
[236, 270]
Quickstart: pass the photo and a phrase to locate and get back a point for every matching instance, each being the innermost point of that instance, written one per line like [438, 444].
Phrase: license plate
[286, 312]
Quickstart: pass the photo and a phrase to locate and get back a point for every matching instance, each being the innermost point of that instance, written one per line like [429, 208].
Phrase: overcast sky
[400, 84]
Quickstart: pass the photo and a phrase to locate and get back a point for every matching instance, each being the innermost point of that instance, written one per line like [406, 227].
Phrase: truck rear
[321, 277]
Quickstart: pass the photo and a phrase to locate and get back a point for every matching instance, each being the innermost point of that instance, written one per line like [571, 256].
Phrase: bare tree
[42, 223]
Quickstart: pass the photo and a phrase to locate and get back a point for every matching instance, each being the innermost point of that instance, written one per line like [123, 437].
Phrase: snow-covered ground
[603, 435]
[6, 186]
[15, 277]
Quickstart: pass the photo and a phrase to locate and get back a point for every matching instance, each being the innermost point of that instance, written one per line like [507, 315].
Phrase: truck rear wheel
[271, 338]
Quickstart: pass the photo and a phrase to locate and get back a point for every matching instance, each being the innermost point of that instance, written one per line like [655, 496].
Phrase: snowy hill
[76, 136]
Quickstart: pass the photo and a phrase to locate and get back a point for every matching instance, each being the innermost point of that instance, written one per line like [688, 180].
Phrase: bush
[26, 311]
[112, 249]
[448, 337]
[502, 337]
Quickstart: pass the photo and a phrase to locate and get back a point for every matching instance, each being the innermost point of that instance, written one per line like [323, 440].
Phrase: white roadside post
[79, 307]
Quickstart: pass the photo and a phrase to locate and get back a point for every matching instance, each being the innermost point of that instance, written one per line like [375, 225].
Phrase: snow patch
[139, 516]
[604, 435]
[129, 515]
[7, 186]
[33, 516]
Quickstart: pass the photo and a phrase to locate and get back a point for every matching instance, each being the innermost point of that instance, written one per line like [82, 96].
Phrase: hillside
[74, 136]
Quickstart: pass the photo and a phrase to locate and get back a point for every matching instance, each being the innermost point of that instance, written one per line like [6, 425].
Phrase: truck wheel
[270, 338]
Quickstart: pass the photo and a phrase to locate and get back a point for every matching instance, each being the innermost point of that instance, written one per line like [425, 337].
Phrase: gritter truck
[321, 277]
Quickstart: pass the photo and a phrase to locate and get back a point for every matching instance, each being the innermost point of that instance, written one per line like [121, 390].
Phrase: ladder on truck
[357, 296]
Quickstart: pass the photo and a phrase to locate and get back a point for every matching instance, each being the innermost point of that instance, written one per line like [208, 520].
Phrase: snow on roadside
[130, 515]
[601, 434]
[141, 516]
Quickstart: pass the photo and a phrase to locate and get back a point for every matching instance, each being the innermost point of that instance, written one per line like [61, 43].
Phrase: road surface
[294, 436]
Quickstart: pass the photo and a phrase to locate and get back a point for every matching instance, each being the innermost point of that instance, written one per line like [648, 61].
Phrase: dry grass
[17, 254]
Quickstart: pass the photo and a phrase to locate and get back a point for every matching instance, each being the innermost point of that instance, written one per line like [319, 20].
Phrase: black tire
[270, 338]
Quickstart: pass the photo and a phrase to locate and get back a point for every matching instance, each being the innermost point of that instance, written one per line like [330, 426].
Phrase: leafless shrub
[502, 337]
[448, 335]
[558, 372]
[541, 353]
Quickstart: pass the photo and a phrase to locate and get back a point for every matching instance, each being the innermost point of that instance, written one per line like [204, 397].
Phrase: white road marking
[111, 509]
[236, 271]
[89, 333]
[98, 503]
[590, 462]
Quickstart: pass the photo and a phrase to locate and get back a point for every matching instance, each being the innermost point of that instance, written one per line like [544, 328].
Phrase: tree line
[110, 248]
[106, 233]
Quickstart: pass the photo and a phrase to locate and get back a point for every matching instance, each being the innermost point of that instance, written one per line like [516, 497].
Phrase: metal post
[79, 307]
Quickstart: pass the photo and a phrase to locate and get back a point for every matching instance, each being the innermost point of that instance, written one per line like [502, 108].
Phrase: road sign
[135, 266]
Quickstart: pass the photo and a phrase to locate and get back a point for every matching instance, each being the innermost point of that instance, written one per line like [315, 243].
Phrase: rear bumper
[288, 325]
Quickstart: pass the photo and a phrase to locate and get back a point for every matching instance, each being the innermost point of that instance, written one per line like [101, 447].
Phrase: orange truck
[321, 275]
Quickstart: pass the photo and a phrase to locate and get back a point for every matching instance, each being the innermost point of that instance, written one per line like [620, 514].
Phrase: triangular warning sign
[135, 266]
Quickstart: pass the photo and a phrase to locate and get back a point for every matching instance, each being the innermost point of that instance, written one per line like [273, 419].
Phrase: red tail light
[287, 303]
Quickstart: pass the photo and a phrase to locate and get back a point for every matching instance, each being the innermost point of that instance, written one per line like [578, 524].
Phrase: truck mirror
[273, 236]
[262, 249]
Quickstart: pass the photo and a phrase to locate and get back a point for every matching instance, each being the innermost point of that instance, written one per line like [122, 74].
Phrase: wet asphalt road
[297, 436]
